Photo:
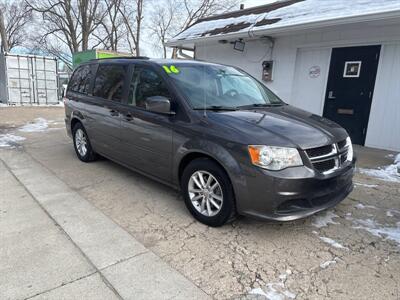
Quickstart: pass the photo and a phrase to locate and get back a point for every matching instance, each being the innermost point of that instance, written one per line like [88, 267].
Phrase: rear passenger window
[80, 81]
[145, 83]
[109, 81]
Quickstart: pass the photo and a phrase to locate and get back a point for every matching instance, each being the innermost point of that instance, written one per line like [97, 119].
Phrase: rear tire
[83, 148]
[208, 192]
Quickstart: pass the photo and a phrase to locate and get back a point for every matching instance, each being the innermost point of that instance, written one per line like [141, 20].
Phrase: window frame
[124, 87]
[93, 69]
[172, 92]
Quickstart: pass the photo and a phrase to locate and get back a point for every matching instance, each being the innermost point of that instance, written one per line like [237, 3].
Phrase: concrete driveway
[349, 252]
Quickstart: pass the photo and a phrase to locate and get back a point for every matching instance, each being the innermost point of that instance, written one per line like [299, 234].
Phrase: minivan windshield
[219, 87]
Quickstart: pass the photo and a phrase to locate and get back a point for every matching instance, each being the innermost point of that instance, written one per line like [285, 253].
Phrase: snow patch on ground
[387, 173]
[392, 212]
[366, 185]
[39, 125]
[324, 220]
[379, 230]
[276, 290]
[10, 140]
[327, 263]
[362, 206]
[332, 242]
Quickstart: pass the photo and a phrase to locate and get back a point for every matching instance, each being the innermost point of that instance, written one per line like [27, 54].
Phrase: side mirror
[158, 104]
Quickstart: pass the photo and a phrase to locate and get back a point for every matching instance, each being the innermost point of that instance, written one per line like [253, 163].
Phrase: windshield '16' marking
[171, 69]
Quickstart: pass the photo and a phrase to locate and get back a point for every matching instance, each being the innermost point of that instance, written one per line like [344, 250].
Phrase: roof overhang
[289, 29]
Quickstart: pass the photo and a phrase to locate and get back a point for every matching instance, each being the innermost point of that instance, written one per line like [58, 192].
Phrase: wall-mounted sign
[314, 72]
[352, 69]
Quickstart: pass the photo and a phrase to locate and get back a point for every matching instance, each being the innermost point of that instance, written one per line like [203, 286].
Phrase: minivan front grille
[324, 166]
[341, 144]
[329, 158]
[315, 152]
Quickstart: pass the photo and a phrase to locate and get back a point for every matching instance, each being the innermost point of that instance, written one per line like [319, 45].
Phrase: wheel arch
[191, 156]
[74, 121]
[221, 156]
[76, 117]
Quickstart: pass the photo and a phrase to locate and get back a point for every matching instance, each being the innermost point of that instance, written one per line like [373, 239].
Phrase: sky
[148, 46]
[251, 3]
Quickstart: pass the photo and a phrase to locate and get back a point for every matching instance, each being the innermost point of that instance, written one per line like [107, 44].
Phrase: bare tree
[195, 10]
[132, 15]
[3, 35]
[70, 22]
[162, 24]
[13, 23]
[54, 48]
[91, 16]
[112, 30]
[165, 23]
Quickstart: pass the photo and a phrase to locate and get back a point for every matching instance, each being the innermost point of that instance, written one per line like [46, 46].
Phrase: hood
[282, 126]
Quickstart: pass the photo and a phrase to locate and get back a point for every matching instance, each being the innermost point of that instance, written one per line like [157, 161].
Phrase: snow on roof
[284, 13]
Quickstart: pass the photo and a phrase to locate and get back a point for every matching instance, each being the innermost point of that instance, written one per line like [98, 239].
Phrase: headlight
[350, 152]
[274, 158]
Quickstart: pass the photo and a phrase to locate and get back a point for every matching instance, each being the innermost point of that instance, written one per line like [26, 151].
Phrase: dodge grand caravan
[225, 140]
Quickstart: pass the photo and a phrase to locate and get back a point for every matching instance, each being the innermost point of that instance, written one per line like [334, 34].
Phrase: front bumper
[294, 193]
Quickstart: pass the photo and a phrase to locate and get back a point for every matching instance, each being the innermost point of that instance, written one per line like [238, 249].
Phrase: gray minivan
[220, 136]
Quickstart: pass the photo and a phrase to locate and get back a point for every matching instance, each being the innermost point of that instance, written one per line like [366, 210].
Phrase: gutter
[292, 28]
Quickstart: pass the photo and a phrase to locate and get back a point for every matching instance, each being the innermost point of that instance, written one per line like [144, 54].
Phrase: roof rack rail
[123, 57]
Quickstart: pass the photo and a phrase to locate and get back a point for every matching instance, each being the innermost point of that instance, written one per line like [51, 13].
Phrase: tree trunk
[139, 18]
[3, 35]
[174, 53]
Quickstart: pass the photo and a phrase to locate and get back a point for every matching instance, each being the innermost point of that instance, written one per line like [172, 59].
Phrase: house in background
[336, 58]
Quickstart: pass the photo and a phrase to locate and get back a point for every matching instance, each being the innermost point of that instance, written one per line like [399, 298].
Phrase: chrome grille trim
[333, 152]
[336, 155]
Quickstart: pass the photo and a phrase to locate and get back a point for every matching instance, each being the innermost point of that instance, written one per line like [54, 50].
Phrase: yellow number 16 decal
[171, 69]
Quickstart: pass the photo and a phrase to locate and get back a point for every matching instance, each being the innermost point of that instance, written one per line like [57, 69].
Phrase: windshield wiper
[255, 105]
[216, 108]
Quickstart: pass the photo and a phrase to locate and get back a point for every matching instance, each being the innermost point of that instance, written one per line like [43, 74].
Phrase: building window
[352, 69]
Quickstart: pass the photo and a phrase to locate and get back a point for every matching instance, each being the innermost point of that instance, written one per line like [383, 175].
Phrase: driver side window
[145, 83]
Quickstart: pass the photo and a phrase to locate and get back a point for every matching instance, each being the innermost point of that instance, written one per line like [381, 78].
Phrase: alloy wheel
[81, 142]
[205, 192]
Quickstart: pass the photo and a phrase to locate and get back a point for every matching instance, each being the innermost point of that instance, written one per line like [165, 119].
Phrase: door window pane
[80, 81]
[146, 83]
[109, 81]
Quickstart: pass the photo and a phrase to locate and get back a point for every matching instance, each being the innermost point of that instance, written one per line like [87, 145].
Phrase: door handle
[114, 113]
[330, 95]
[128, 117]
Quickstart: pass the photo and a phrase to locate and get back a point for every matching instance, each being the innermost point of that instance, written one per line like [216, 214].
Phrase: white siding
[309, 92]
[384, 122]
[293, 55]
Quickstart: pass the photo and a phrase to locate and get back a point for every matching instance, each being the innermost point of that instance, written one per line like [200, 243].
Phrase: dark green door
[350, 88]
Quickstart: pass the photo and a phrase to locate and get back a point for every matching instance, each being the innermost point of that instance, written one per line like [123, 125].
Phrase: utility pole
[3, 35]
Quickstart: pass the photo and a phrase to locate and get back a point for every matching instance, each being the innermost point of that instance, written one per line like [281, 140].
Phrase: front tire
[208, 192]
[83, 148]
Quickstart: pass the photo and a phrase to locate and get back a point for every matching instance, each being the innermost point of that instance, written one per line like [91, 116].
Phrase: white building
[336, 58]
